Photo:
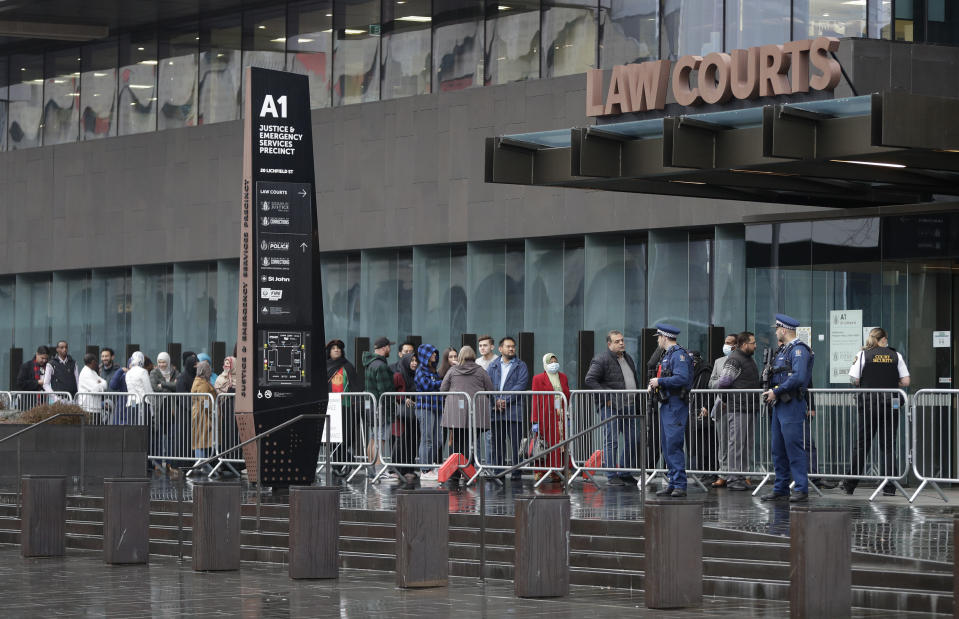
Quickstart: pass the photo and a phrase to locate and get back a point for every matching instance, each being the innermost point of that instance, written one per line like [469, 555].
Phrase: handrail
[482, 485]
[83, 423]
[265, 433]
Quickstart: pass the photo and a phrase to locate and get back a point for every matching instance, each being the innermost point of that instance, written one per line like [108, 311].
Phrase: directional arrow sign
[303, 193]
[303, 247]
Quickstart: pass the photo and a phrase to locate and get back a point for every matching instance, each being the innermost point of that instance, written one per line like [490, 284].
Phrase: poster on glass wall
[845, 340]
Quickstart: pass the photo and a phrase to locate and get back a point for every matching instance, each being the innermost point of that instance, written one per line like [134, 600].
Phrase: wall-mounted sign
[940, 339]
[764, 71]
[845, 342]
[280, 338]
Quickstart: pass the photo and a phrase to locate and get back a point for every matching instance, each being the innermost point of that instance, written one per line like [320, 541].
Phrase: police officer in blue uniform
[671, 385]
[790, 379]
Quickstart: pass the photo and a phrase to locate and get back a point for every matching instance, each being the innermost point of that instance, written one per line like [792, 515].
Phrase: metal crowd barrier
[351, 456]
[934, 427]
[615, 448]
[227, 434]
[112, 408]
[25, 400]
[728, 436]
[4, 400]
[418, 441]
[511, 416]
[858, 434]
[175, 432]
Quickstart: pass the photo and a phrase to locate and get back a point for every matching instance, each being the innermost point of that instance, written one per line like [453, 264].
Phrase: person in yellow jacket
[202, 412]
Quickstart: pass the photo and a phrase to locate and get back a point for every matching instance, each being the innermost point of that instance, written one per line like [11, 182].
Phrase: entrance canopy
[871, 150]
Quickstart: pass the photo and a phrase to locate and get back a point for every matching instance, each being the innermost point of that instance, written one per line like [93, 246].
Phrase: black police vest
[63, 378]
[880, 368]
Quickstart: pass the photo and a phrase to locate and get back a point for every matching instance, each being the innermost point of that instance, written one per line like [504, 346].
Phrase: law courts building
[542, 167]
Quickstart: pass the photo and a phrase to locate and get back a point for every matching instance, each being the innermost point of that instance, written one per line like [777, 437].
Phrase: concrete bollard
[422, 538]
[43, 519]
[541, 563]
[820, 556]
[216, 526]
[314, 532]
[126, 520]
[674, 553]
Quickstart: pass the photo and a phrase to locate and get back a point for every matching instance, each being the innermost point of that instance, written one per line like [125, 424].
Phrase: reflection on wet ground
[80, 584]
[888, 525]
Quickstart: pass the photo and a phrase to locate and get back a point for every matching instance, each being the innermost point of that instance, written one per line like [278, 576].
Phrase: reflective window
[679, 289]
[905, 24]
[220, 75]
[433, 301]
[137, 102]
[691, 27]
[569, 37]
[828, 18]
[98, 91]
[756, 22]
[32, 312]
[194, 305]
[880, 19]
[384, 284]
[227, 301]
[457, 44]
[407, 40]
[61, 97]
[111, 302]
[264, 40]
[4, 102]
[729, 310]
[942, 22]
[512, 41]
[356, 51]
[628, 32]
[152, 318]
[70, 309]
[495, 275]
[310, 46]
[7, 290]
[341, 297]
[26, 101]
[635, 284]
[615, 295]
[177, 87]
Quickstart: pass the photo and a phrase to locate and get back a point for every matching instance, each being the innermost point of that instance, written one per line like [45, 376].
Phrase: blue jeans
[431, 437]
[627, 455]
[790, 459]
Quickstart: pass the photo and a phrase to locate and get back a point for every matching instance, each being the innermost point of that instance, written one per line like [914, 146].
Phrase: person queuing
[468, 377]
[508, 373]
[740, 372]
[379, 380]
[404, 426]
[90, 383]
[30, 376]
[791, 376]
[717, 412]
[163, 379]
[202, 416]
[341, 377]
[549, 412]
[877, 366]
[108, 366]
[428, 410]
[62, 373]
[672, 383]
[615, 370]
[447, 360]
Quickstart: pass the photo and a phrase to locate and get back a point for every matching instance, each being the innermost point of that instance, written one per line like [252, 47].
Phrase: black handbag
[532, 446]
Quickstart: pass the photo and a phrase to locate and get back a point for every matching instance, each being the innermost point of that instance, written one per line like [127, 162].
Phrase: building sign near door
[718, 77]
[845, 341]
[940, 339]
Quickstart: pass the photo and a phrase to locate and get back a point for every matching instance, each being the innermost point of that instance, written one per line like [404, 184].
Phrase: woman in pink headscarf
[226, 381]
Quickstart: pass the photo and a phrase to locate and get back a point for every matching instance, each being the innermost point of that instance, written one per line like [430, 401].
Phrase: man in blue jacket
[506, 419]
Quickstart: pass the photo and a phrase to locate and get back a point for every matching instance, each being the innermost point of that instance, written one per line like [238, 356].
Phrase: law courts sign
[718, 77]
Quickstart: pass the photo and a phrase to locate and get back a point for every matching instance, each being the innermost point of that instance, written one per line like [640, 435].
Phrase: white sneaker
[430, 475]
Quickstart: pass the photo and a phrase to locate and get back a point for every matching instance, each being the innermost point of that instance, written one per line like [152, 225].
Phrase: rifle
[766, 378]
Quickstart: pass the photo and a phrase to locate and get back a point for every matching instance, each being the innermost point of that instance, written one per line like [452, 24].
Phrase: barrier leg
[422, 538]
[821, 562]
[216, 526]
[126, 520]
[767, 477]
[542, 546]
[674, 553]
[43, 520]
[314, 532]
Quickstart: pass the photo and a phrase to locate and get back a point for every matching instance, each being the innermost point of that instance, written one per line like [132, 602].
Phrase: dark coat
[26, 377]
[605, 373]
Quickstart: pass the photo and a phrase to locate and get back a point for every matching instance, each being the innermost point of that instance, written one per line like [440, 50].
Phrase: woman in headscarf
[205, 357]
[202, 412]
[465, 377]
[163, 380]
[226, 382]
[138, 384]
[341, 378]
[549, 412]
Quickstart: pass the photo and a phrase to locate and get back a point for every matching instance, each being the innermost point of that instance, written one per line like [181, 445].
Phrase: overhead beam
[56, 32]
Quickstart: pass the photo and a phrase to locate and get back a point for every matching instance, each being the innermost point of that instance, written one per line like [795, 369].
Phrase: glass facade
[355, 51]
[900, 272]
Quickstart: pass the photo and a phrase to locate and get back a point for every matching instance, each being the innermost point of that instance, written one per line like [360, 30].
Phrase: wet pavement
[81, 585]
[887, 526]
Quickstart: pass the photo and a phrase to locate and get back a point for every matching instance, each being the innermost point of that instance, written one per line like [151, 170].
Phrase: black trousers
[404, 445]
[879, 421]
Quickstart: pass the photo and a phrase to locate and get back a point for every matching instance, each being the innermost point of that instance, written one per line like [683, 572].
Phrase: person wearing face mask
[717, 413]
[549, 411]
[741, 409]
